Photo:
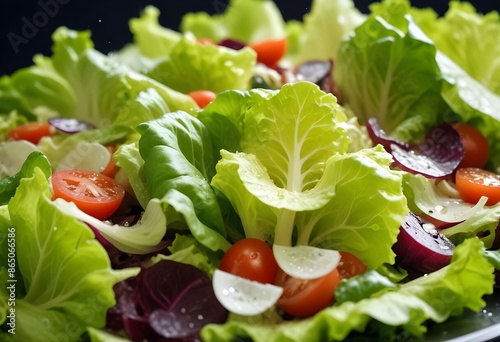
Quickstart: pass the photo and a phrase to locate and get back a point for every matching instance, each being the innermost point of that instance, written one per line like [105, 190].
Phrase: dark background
[108, 21]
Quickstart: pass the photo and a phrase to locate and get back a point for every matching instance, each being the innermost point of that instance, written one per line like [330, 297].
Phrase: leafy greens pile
[290, 166]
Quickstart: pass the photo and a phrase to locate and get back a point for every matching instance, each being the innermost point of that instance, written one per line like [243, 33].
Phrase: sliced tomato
[304, 298]
[270, 51]
[202, 97]
[350, 266]
[93, 193]
[31, 131]
[252, 259]
[472, 183]
[111, 169]
[476, 149]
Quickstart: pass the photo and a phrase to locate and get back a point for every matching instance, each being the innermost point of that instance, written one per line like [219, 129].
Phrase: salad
[251, 178]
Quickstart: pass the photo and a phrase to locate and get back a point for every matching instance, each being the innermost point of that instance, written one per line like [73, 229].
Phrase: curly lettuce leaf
[324, 28]
[391, 74]
[66, 273]
[10, 121]
[245, 20]
[152, 39]
[294, 183]
[293, 133]
[467, 63]
[439, 295]
[178, 164]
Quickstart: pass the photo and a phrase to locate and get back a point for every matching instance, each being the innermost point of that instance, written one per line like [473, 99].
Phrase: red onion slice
[420, 247]
[437, 156]
[70, 125]
[232, 44]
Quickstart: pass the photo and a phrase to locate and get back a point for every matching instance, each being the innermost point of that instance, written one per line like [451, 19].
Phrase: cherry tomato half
[304, 298]
[476, 150]
[270, 51]
[93, 193]
[252, 259]
[350, 266]
[31, 131]
[111, 169]
[202, 97]
[472, 183]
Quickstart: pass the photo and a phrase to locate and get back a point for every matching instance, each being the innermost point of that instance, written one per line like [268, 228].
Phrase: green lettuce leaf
[493, 257]
[392, 75]
[191, 66]
[152, 39]
[324, 28]
[223, 117]
[10, 121]
[9, 184]
[470, 39]
[66, 273]
[362, 286]
[474, 104]
[128, 158]
[178, 164]
[4, 255]
[294, 183]
[11, 99]
[467, 69]
[80, 82]
[245, 20]
[439, 295]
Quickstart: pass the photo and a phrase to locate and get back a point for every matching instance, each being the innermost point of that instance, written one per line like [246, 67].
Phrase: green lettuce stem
[284, 228]
[305, 234]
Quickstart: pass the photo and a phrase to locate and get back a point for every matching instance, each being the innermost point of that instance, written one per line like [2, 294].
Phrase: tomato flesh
[202, 97]
[350, 266]
[270, 51]
[93, 193]
[252, 259]
[31, 131]
[304, 298]
[472, 183]
[476, 149]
